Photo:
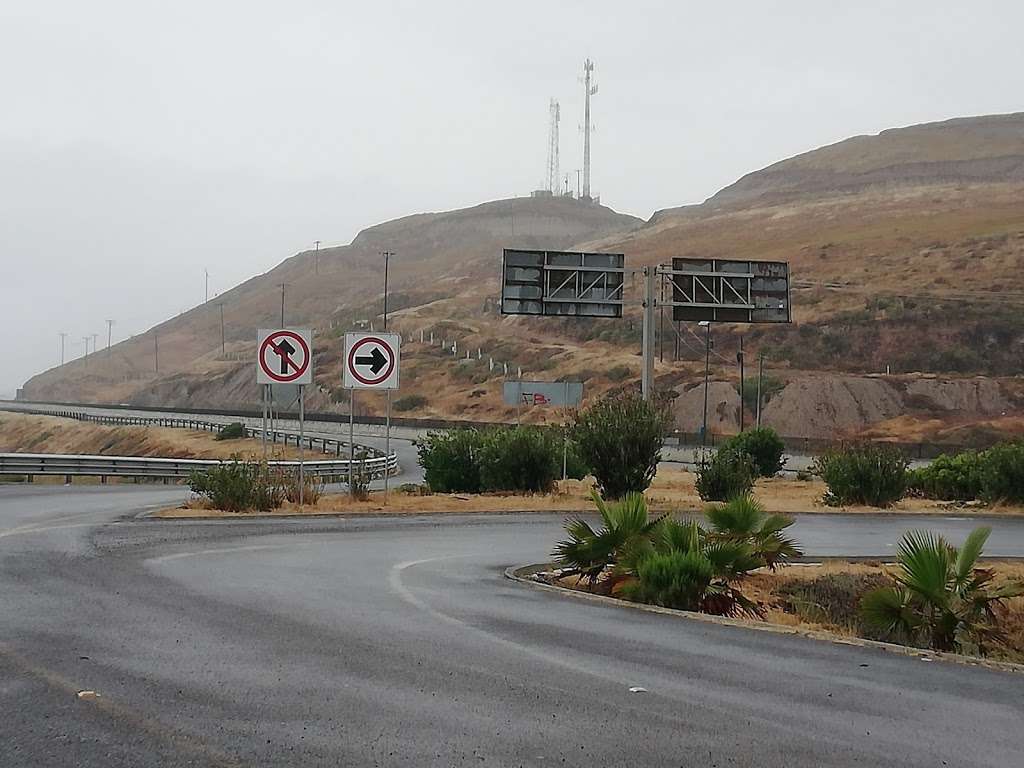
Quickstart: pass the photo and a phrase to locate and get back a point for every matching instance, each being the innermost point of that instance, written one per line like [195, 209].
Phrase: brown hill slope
[906, 247]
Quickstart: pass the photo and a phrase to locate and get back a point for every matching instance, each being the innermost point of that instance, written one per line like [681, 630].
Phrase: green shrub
[950, 478]
[770, 386]
[618, 373]
[763, 445]
[232, 431]
[239, 486]
[672, 579]
[620, 440]
[833, 599]
[575, 465]
[521, 458]
[866, 473]
[409, 403]
[1002, 473]
[450, 460]
[725, 475]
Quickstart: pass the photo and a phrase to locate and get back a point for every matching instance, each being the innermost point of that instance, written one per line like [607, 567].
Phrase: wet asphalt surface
[398, 642]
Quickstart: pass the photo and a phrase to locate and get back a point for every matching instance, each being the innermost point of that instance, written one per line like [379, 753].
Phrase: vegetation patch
[865, 473]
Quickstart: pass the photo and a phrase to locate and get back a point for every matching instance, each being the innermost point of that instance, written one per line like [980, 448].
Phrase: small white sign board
[371, 360]
[284, 356]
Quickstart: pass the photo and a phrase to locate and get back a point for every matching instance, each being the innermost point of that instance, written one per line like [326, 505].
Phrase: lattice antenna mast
[590, 89]
[554, 175]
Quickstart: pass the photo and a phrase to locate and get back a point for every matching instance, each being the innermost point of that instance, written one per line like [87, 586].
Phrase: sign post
[371, 361]
[285, 356]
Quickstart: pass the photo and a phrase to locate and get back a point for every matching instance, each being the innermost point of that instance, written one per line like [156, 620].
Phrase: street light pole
[760, 376]
[63, 335]
[707, 369]
[110, 327]
[316, 258]
[387, 257]
[743, 402]
[221, 305]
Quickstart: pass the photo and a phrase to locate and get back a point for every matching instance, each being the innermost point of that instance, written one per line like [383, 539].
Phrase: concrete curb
[521, 575]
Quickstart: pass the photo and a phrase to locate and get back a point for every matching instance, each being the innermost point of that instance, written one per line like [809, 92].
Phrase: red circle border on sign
[291, 335]
[351, 360]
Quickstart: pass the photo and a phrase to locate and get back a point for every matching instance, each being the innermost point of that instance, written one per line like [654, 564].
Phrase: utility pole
[387, 257]
[110, 328]
[661, 321]
[316, 258]
[207, 293]
[221, 305]
[577, 183]
[743, 390]
[63, 336]
[86, 340]
[156, 351]
[707, 370]
[283, 286]
[94, 337]
[760, 377]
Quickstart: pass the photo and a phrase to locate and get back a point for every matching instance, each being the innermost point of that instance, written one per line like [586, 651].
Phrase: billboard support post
[647, 377]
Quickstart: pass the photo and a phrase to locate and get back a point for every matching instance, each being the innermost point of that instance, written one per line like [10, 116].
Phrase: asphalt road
[397, 642]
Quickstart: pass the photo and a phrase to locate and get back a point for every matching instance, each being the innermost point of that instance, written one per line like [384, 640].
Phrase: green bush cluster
[725, 475]
[864, 473]
[232, 431]
[763, 445]
[673, 563]
[620, 439]
[409, 403]
[520, 458]
[240, 486]
[994, 475]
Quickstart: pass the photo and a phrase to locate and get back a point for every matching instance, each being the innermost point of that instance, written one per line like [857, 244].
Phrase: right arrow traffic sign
[371, 360]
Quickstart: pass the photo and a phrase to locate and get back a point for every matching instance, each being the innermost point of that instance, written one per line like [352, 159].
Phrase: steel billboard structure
[562, 283]
[729, 290]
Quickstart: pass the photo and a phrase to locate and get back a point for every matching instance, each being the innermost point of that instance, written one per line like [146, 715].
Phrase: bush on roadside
[358, 477]
[239, 486]
[1002, 473]
[312, 487]
[865, 473]
[409, 403]
[949, 478]
[450, 460]
[520, 458]
[833, 599]
[620, 440]
[232, 431]
[764, 446]
[725, 475]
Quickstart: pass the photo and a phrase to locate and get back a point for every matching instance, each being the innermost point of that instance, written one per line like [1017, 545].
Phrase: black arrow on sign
[376, 360]
[284, 350]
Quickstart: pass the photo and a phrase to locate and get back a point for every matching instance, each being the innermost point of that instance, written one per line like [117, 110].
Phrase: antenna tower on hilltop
[554, 176]
[589, 90]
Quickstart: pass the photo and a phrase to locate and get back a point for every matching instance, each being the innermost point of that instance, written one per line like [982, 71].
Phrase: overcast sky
[143, 142]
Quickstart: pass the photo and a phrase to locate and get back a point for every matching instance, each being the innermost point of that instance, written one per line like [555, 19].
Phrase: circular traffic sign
[371, 360]
[284, 356]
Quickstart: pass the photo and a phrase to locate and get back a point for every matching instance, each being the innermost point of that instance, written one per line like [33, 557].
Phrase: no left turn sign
[284, 356]
[371, 360]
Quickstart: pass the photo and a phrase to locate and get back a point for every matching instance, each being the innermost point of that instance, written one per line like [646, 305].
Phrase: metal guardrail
[68, 465]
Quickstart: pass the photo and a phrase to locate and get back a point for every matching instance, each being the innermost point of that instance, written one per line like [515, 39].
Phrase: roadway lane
[398, 642]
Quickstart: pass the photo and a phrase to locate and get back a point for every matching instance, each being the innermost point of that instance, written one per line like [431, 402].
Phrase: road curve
[397, 642]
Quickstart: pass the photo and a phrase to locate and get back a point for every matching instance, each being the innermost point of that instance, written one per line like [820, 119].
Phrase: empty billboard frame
[562, 283]
[729, 290]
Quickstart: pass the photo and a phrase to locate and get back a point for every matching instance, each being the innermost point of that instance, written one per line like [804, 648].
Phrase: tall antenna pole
[590, 90]
[316, 258]
[110, 328]
[63, 336]
[554, 177]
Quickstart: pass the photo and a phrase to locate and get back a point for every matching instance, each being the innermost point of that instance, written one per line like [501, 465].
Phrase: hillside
[905, 249]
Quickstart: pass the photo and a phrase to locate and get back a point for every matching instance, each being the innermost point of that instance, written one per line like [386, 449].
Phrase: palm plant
[744, 519]
[941, 598]
[626, 527]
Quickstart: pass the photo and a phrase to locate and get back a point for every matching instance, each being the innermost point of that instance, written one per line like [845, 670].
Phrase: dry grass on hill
[21, 433]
